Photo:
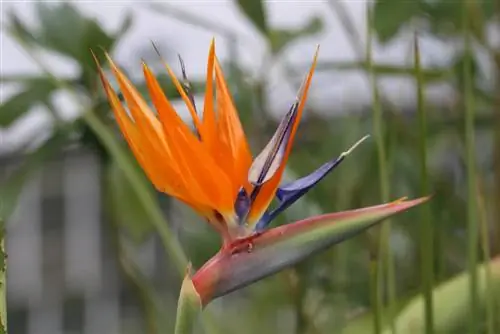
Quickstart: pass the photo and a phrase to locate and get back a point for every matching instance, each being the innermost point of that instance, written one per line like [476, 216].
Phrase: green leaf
[12, 186]
[451, 302]
[391, 15]
[124, 202]
[280, 38]
[35, 90]
[445, 17]
[93, 37]
[254, 10]
[125, 26]
[243, 263]
[63, 29]
[17, 28]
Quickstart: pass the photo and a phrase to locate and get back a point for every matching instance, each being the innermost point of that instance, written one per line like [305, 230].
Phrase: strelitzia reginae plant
[211, 169]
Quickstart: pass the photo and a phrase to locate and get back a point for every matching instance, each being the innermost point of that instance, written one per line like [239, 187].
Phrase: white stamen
[353, 147]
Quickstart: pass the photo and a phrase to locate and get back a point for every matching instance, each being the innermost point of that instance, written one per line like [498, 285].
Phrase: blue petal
[291, 192]
[242, 204]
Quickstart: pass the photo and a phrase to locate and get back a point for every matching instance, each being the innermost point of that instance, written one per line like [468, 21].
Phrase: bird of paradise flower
[212, 170]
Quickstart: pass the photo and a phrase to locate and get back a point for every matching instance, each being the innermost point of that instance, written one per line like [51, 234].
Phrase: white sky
[334, 92]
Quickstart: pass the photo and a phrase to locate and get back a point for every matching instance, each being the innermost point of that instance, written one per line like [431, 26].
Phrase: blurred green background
[93, 249]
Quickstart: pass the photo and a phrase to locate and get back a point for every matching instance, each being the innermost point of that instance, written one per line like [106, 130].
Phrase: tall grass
[3, 280]
[383, 258]
[472, 226]
[426, 225]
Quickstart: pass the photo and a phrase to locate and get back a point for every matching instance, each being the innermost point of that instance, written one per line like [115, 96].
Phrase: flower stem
[384, 253]
[3, 280]
[426, 231]
[472, 227]
[375, 292]
[188, 308]
[485, 242]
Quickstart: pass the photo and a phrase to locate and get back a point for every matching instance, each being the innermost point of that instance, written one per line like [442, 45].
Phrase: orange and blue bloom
[211, 169]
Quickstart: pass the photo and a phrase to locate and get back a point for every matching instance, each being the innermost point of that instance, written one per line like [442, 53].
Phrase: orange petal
[162, 105]
[131, 134]
[232, 137]
[204, 181]
[268, 190]
[208, 108]
[175, 125]
[147, 123]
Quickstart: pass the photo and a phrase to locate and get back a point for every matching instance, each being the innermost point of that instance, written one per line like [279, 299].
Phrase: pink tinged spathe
[246, 261]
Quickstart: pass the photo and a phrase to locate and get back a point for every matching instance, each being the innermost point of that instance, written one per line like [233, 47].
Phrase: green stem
[378, 129]
[3, 280]
[472, 227]
[170, 243]
[496, 154]
[426, 230]
[297, 291]
[375, 299]
[485, 242]
[188, 308]
[129, 269]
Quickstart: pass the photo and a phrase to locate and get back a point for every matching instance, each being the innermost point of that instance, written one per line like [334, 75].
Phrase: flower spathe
[211, 169]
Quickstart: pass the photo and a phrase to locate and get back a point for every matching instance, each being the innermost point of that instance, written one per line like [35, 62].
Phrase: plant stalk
[188, 308]
[3, 280]
[472, 226]
[426, 225]
[384, 256]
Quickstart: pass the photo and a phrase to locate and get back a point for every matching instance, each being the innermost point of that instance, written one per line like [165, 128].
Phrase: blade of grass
[426, 231]
[3, 280]
[472, 226]
[375, 294]
[384, 255]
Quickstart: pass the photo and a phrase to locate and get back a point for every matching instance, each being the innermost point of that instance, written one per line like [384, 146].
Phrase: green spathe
[241, 264]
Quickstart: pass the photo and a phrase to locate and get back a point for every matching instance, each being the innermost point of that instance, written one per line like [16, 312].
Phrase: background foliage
[335, 291]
